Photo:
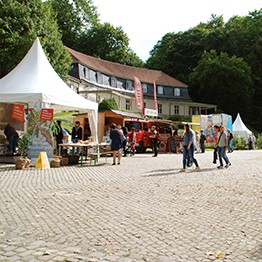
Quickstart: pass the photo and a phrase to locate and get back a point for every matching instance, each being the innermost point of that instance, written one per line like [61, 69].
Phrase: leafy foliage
[107, 104]
[259, 143]
[239, 143]
[20, 23]
[24, 142]
[223, 80]
[178, 54]
[180, 118]
[74, 18]
[107, 42]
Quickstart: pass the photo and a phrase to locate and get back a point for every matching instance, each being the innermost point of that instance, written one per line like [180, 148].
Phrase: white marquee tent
[34, 82]
[240, 129]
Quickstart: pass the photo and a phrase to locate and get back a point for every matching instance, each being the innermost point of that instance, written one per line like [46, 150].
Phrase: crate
[73, 159]
[65, 161]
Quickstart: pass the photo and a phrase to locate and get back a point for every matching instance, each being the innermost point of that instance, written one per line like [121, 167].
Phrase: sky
[146, 21]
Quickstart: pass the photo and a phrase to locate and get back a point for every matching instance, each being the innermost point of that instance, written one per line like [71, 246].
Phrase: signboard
[150, 112]
[47, 114]
[41, 136]
[18, 113]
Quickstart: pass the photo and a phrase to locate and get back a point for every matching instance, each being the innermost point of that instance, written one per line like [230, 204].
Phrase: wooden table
[84, 148]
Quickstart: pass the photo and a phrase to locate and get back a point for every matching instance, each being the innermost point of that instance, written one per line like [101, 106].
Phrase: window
[144, 104]
[128, 104]
[98, 77]
[176, 110]
[193, 110]
[160, 90]
[129, 85]
[159, 107]
[177, 92]
[144, 86]
[113, 81]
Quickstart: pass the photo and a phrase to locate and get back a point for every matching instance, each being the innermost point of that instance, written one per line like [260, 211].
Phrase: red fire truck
[143, 126]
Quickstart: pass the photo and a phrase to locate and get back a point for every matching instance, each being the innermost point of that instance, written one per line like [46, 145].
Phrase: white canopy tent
[34, 82]
[240, 129]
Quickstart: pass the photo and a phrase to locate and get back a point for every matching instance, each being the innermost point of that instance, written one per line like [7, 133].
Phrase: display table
[85, 148]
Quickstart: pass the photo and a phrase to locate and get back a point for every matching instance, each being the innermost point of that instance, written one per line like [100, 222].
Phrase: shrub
[259, 143]
[239, 143]
[107, 104]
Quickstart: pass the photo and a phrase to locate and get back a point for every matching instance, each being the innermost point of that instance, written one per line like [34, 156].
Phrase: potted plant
[24, 142]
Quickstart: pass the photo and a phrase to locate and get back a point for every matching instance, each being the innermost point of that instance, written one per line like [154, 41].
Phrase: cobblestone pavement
[141, 210]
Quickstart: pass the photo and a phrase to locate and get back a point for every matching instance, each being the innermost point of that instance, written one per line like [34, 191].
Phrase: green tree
[244, 39]
[73, 18]
[223, 80]
[20, 23]
[107, 104]
[178, 53]
[107, 42]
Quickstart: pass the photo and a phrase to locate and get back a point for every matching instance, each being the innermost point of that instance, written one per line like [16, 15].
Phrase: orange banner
[47, 114]
[18, 113]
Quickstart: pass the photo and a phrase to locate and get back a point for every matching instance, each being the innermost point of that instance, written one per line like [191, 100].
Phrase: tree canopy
[81, 30]
[230, 89]
[20, 23]
[237, 43]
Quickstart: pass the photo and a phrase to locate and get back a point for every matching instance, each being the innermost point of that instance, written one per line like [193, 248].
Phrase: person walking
[230, 141]
[116, 144]
[188, 148]
[124, 142]
[132, 141]
[154, 139]
[59, 136]
[251, 141]
[216, 132]
[197, 142]
[221, 148]
[202, 141]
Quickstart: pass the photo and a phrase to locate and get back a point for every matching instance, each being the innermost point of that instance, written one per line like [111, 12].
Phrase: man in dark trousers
[154, 139]
[202, 141]
[59, 136]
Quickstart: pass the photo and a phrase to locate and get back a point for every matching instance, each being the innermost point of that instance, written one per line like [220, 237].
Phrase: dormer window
[129, 85]
[160, 90]
[144, 86]
[177, 92]
[113, 81]
[99, 77]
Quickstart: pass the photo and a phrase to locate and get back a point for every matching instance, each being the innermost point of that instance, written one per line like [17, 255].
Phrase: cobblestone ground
[141, 210]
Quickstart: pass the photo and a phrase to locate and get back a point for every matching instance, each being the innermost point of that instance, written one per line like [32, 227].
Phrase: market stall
[34, 84]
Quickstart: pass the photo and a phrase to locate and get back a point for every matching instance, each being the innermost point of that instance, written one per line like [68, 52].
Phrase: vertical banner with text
[139, 96]
[155, 98]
